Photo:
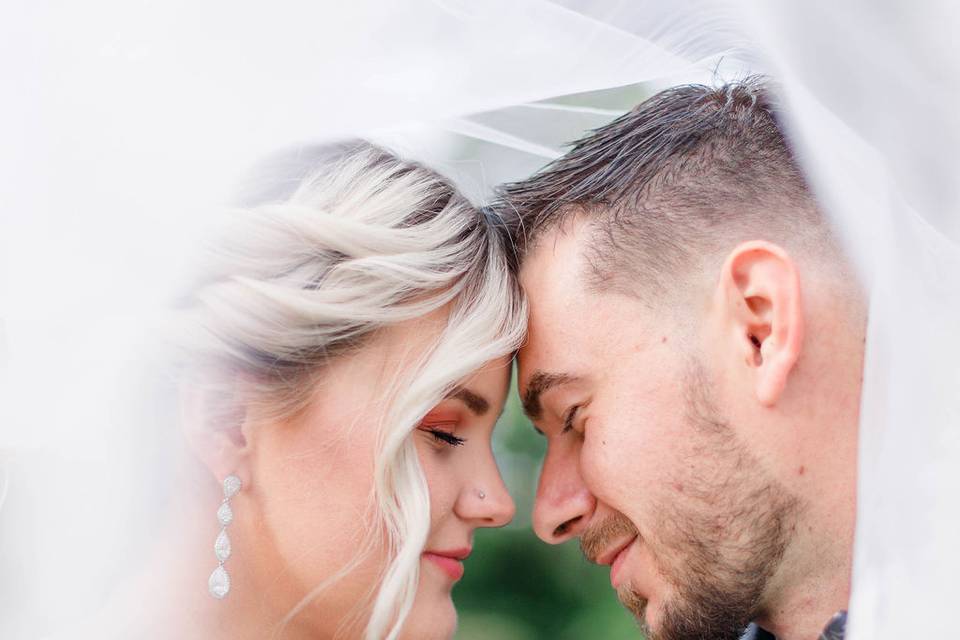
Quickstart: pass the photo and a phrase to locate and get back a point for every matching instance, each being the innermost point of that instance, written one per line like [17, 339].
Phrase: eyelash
[445, 437]
[569, 417]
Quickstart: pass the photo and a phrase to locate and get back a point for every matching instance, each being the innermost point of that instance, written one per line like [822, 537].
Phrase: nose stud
[481, 494]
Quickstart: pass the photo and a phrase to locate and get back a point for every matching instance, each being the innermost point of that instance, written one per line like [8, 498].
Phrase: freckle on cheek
[678, 487]
[802, 470]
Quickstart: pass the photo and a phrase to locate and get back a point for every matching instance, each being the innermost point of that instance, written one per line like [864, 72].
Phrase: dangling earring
[219, 582]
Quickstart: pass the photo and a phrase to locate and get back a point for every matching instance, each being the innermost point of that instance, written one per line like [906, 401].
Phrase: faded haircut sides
[677, 181]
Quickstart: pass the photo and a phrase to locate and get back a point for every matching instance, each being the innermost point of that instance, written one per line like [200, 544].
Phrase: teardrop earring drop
[219, 582]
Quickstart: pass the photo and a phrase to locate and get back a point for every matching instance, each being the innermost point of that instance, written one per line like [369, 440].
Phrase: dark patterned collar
[835, 630]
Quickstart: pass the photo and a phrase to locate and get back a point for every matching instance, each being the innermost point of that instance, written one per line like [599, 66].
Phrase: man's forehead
[556, 253]
[554, 346]
[558, 307]
[552, 282]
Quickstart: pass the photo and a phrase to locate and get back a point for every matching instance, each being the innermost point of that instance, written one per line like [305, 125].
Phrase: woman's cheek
[441, 481]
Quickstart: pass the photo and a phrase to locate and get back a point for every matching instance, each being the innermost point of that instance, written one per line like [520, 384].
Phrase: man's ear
[213, 423]
[760, 290]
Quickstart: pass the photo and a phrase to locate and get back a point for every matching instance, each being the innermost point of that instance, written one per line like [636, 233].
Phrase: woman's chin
[433, 617]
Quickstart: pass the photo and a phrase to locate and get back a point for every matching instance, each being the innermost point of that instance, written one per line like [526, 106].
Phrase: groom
[694, 362]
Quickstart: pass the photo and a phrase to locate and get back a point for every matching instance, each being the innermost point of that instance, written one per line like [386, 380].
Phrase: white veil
[126, 123]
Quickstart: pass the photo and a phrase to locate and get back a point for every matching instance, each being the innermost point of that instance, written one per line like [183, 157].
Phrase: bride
[341, 366]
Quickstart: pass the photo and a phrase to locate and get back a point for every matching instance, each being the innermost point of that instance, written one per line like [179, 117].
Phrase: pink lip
[449, 561]
[617, 562]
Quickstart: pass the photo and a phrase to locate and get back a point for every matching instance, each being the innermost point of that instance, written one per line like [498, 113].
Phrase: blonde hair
[366, 242]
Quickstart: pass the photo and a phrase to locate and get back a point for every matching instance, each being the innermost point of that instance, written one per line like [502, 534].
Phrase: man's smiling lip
[613, 554]
[608, 556]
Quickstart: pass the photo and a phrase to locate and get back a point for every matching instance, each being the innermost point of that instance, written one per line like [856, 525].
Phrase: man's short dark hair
[690, 171]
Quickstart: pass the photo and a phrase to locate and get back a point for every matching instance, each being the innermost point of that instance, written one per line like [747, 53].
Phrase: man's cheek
[612, 471]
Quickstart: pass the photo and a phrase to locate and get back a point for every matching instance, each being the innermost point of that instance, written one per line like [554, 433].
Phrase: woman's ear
[760, 292]
[213, 422]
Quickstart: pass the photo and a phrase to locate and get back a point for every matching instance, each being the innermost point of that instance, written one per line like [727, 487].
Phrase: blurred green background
[517, 587]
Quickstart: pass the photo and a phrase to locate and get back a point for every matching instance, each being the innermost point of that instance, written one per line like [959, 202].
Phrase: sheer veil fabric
[126, 123]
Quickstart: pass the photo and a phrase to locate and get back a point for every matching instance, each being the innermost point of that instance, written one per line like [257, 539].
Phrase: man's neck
[813, 580]
[804, 607]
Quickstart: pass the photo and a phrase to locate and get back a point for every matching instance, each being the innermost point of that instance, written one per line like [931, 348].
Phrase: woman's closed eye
[443, 434]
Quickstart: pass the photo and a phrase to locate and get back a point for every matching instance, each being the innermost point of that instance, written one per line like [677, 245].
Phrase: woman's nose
[498, 505]
[564, 504]
[485, 499]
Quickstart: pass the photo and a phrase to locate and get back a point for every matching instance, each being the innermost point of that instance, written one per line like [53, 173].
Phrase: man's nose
[563, 504]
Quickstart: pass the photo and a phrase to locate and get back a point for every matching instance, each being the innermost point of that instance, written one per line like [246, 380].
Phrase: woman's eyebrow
[476, 403]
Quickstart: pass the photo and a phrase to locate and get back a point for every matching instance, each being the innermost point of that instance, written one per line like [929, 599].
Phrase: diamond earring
[219, 582]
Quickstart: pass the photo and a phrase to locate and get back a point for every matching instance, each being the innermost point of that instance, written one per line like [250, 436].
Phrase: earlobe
[762, 291]
[774, 372]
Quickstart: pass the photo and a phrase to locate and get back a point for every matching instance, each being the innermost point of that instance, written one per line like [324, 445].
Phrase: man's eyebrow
[539, 383]
[476, 403]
